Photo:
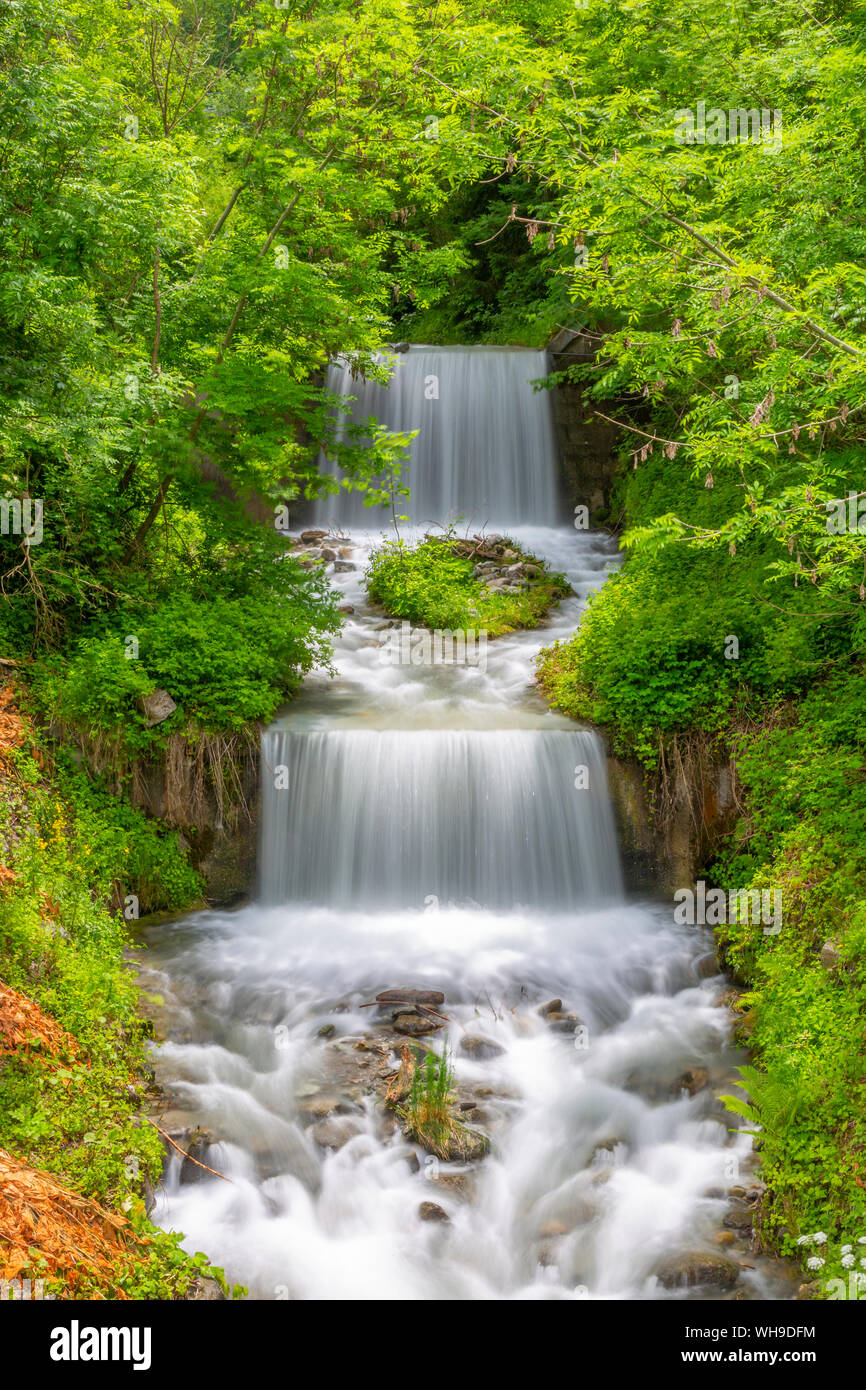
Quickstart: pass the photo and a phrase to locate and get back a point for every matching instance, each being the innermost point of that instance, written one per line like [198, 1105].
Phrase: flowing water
[439, 827]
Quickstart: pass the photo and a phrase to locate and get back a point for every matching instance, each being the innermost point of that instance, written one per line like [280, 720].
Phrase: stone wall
[666, 839]
[586, 443]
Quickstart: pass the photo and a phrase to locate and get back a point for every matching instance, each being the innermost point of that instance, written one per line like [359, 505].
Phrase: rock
[807, 1291]
[319, 1107]
[327, 553]
[344, 551]
[551, 1229]
[467, 1145]
[739, 1218]
[334, 1133]
[196, 1147]
[313, 535]
[707, 966]
[698, 1267]
[460, 1182]
[157, 706]
[413, 1025]
[479, 1049]
[204, 1290]
[692, 1080]
[562, 1022]
[434, 997]
[553, 1006]
[830, 958]
[346, 608]
[431, 1211]
[725, 1238]
[327, 1030]
[343, 566]
[510, 555]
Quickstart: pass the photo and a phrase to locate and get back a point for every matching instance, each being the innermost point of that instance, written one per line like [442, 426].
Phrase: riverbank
[80, 1158]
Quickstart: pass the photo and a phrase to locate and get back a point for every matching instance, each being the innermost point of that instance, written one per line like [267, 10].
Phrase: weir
[485, 448]
[369, 818]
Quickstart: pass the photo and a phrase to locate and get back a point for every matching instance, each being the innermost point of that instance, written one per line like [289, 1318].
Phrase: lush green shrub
[227, 660]
[432, 584]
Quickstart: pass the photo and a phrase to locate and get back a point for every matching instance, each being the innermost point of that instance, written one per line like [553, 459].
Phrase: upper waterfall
[485, 448]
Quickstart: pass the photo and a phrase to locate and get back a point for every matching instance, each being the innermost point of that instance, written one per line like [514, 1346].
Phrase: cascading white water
[488, 817]
[438, 827]
[485, 449]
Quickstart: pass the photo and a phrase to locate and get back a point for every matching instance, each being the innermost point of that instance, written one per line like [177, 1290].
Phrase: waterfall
[485, 448]
[369, 819]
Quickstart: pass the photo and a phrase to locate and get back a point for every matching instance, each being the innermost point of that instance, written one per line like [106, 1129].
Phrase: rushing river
[436, 826]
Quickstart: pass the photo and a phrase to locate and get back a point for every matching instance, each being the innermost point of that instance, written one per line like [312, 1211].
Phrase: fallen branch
[186, 1155]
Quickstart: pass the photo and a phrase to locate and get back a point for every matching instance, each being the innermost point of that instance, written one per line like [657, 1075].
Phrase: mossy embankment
[78, 1148]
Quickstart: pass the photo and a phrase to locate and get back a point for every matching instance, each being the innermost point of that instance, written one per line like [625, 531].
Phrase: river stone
[479, 1049]
[334, 1133]
[459, 1182]
[313, 535]
[431, 1211]
[692, 1080]
[413, 1025]
[553, 1006]
[698, 1267]
[319, 1107]
[346, 608]
[725, 1238]
[327, 553]
[739, 1218]
[343, 566]
[435, 997]
[196, 1146]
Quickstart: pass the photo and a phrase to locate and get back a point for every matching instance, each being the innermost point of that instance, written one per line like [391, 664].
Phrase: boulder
[157, 706]
[553, 1006]
[334, 1133]
[343, 566]
[414, 1025]
[313, 535]
[431, 1211]
[479, 1049]
[434, 997]
[830, 958]
[692, 1080]
[698, 1267]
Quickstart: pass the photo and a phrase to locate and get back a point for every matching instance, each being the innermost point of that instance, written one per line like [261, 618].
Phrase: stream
[438, 827]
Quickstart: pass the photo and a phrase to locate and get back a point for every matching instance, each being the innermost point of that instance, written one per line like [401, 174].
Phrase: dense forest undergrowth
[201, 205]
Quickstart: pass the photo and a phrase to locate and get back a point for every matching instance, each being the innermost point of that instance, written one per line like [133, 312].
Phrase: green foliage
[432, 584]
[80, 1116]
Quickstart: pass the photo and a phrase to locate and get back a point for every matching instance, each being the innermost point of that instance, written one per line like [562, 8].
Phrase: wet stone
[479, 1049]
[431, 1211]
